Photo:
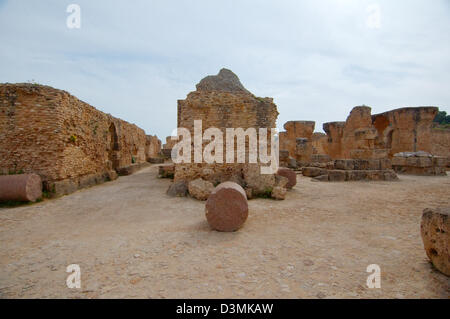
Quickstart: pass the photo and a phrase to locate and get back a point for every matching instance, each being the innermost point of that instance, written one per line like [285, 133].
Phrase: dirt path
[132, 241]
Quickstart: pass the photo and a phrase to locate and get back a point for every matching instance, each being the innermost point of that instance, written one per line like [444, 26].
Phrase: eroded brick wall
[52, 133]
[368, 136]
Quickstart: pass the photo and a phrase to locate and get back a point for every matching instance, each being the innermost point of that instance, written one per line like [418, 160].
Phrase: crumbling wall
[440, 143]
[152, 147]
[297, 139]
[222, 102]
[406, 129]
[55, 135]
[366, 136]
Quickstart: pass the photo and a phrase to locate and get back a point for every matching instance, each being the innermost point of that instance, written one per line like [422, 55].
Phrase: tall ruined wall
[318, 143]
[440, 142]
[52, 133]
[30, 130]
[152, 146]
[366, 136]
[222, 102]
[297, 139]
[406, 129]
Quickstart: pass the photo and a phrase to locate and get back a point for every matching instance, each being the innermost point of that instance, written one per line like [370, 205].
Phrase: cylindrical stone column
[227, 207]
[23, 187]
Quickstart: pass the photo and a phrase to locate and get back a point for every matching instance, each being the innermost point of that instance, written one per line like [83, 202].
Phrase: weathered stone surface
[200, 189]
[297, 139]
[166, 171]
[49, 132]
[23, 187]
[131, 169]
[112, 175]
[178, 189]
[290, 175]
[227, 207]
[259, 183]
[279, 193]
[292, 164]
[281, 181]
[152, 146]
[313, 171]
[222, 102]
[156, 160]
[355, 175]
[366, 136]
[225, 81]
[419, 163]
[435, 231]
[336, 175]
[345, 164]
[320, 158]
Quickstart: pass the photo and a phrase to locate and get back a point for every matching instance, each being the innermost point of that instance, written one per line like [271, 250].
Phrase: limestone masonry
[67, 142]
[222, 102]
[366, 136]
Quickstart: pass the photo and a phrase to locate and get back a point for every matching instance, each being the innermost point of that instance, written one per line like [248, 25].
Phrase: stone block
[435, 231]
[313, 171]
[336, 175]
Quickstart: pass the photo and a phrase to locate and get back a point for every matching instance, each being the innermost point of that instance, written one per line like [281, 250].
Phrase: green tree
[442, 118]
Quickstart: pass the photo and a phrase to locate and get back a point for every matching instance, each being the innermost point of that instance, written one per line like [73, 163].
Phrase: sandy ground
[133, 241]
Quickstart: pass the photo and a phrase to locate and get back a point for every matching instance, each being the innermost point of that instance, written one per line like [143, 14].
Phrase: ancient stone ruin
[364, 136]
[419, 163]
[67, 142]
[352, 170]
[222, 102]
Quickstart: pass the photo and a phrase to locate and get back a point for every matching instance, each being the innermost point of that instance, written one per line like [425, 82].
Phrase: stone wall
[222, 102]
[440, 143]
[152, 147]
[366, 136]
[419, 163]
[297, 139]
[55, 135]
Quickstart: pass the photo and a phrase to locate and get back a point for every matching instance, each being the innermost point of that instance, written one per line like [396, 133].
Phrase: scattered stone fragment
[227, 207]
[313, 171]
[290, 175]
[200, 189]
[279, 193]
[178, 189]
[435, 231]
[281, 181]
[166, 171]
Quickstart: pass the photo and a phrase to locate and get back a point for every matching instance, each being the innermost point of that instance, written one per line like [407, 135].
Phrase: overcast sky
[317, 59]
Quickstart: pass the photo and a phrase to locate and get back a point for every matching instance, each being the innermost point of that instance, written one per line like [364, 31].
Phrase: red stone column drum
[227, 207]
[23, 187]
[290, 175]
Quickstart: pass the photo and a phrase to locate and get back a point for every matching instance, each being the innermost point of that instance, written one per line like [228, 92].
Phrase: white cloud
[374, 16]
[318, 59]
